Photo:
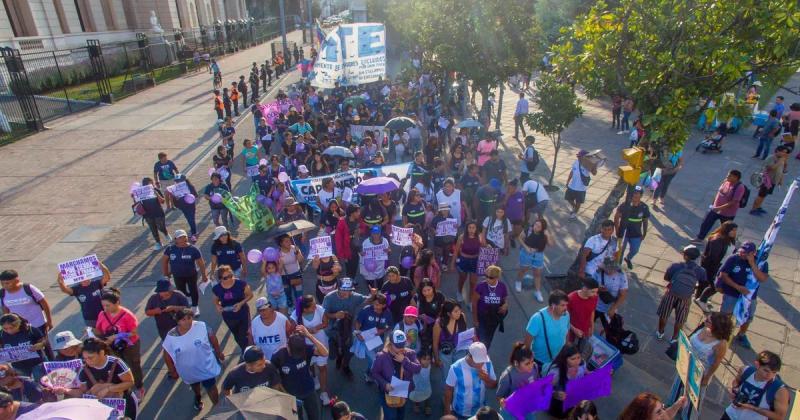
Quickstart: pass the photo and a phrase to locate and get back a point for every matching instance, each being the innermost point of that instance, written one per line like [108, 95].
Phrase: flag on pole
[321, 35]
[742, 307]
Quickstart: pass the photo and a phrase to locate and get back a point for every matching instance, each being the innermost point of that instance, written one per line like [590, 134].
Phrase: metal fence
[39, 87]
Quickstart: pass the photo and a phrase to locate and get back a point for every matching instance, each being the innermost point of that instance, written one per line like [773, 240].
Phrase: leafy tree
[668, 54]
[558, 106]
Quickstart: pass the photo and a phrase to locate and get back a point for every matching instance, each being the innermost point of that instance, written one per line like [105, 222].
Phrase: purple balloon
[254, 256]
[269, 202]
[370, 264]
[261, 199]
[216, 198]
[271, 254]
[407, 262]
[189, 198]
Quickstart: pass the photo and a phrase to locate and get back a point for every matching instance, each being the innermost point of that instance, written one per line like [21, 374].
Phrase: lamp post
[282, 11]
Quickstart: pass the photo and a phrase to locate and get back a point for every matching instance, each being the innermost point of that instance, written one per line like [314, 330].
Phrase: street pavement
[72, 200]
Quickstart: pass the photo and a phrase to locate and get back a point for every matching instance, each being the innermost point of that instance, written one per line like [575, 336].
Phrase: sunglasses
[228, 277]
[492, 277]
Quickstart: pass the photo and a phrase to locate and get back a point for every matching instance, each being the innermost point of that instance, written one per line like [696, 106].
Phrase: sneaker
[620, 132]
[157, 246]
[444, 268]
[518, 286]
[538, 295]
[696, 241]
[324, 398]
[761, 210]
[169, 238]
[196, 310]
[755, 212]
[743, 341]
[628, 263]
[659, 335]
[198, 404]
[368, 379]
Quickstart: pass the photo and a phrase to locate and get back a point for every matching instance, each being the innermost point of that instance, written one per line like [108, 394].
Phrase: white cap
[478, 352]
[302, 169]
[180, 232]
[219, 231]
[65, 339]
[262, 302]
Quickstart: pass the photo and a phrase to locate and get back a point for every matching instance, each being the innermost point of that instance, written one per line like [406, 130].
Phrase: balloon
[211, 171]
[283, 177]
[261, 199]
[189, 198]
[270, 254]
[262, 162]
[269, 202]
[370, 264]
[653, 184]
[254, 256]
[407, 262]
[216, 198]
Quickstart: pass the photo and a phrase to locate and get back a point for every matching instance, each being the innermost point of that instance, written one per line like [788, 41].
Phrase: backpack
[745, 196]
[683, 282]
[772, 386]
[534, 160]
[625, 340]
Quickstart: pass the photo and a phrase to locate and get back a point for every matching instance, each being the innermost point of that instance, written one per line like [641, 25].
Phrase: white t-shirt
[465, 382]
[596, 243]
[326, 197]
[454, 200]
[380, 266]
[576, 183]
[193, 354]
[530, 186]
[496, 234]
[613, 283]
[270, 338]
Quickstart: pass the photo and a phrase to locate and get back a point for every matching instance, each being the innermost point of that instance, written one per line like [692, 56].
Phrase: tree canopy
[669, 54]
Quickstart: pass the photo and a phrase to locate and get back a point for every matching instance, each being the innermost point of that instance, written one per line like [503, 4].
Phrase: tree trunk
[557, 145]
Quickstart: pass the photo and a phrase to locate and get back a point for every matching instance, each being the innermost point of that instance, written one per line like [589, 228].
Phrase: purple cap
[748, 247]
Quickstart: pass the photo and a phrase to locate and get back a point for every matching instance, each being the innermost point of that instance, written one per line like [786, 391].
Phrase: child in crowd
[274, 286]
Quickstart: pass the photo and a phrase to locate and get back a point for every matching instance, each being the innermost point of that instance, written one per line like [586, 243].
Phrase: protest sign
[252, 170]
[62, 374]
[594, 385]
[321, 246]
[352, 54]
[17, 353]
[80, 269]
[179, 189]
[402, 236]
[447, 227]
[305, 190]
[272, 110]
[486, 257]
[143, 193]
[375, 252]
[530, 398]
[118, 404]
[358, 131]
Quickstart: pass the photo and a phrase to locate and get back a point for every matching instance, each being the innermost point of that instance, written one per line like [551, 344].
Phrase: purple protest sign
[486, 257]
[535, 396]
[590, 387]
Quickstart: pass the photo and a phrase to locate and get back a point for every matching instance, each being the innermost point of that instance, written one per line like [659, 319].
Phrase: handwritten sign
[321, 246]
[533, 397]
[17, 353]
[447, 227]
[465, 338]
[402, 236]
[594, 385]
[252, 170]
[118, 404]
[143, 193]
[486, 257]
[179, 190]
[62, 374]
[376, 252]
[80, 269]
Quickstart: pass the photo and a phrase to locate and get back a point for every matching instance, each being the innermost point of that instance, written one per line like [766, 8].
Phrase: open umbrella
[469, 123]
[354, 101]
[298, 227]
[259, 403]
[339, 151]
[400, 123]
[70, 409]
[377, 185]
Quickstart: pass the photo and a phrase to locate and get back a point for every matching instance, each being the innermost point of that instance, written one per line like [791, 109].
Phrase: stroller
[713, 142]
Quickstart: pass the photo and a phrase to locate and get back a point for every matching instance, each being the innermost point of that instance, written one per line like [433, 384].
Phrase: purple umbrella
[377, 185]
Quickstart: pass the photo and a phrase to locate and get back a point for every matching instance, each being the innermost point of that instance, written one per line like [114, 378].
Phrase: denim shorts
[729, 303]
[208, 383]
[531, 259]
[278, 301]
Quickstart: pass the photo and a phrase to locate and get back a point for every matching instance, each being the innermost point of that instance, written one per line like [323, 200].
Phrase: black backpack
[625, 340]
[745, 196]
[534, 162]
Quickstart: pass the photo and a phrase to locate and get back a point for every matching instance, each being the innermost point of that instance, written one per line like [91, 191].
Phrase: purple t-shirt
[515, 207]
[26, 306]
[490, 298]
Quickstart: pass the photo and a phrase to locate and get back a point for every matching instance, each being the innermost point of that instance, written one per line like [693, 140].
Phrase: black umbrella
[400, 123]
[298, 227]
[259, 403]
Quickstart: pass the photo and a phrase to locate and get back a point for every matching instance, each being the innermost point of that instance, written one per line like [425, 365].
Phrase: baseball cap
[393, 269]
[638, 189]
[163, 285]
[290, 201]
[748, 247]
[253, 354]
[444, 206]
[398, 338]
[478, 352]
[582, 153]
[181, 232]
[262, 303]
[346, 284]
[302, 169]
[495, 183]
[375, 229]
[610, 263]
[219, 231]
[691, 251]
[411, 311]
[64, 339]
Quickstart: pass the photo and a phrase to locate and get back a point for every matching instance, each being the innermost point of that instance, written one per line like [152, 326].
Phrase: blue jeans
[634, 243]
[188, 213]
[626, 115]
[764, 144]
[391, 413]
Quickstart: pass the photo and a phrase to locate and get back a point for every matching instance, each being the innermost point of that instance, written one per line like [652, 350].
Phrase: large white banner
[305, 190]
[352, 54]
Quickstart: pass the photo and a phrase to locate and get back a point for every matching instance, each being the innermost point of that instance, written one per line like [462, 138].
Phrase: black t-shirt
[295, 373]
[104, 374]
[469, 184]
[415, 213]
[29, 336]
[89, 299]
[228, 254]
[399, 295]
[373, 214]
[632, 219]
[182, 260]
[165, 321]
[152, 207]
[240, 380]
[492, 169]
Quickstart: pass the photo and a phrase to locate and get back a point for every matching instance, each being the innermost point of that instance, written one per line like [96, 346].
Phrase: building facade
[42, 25]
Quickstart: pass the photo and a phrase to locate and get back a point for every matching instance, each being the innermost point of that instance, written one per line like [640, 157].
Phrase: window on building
[62, 17]
[19, 15]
